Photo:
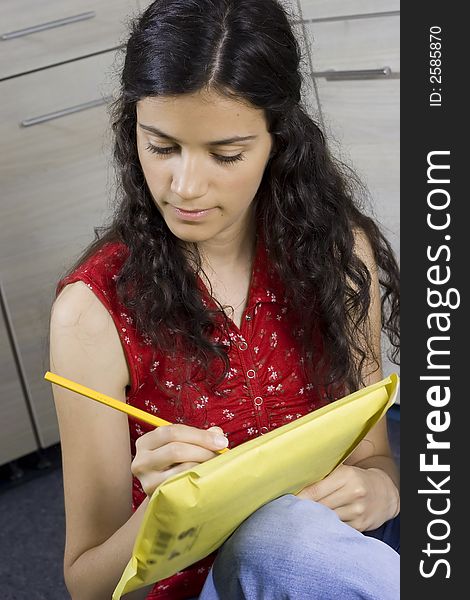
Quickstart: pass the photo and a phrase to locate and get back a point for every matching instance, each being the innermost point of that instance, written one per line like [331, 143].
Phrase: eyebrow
[231, 140]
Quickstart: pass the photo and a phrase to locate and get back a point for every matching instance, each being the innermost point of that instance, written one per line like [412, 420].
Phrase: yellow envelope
[192, 513]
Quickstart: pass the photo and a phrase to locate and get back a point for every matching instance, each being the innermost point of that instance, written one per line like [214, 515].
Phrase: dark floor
[32, 524]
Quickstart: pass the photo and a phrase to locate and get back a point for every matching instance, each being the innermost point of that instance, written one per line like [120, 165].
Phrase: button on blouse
[264, 388]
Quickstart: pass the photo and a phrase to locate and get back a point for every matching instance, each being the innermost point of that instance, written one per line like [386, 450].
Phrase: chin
[189, 233]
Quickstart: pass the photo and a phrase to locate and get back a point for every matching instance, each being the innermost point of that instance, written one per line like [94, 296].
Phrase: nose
[188, 180]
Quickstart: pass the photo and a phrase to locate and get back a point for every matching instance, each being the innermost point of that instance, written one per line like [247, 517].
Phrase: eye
[220, 159]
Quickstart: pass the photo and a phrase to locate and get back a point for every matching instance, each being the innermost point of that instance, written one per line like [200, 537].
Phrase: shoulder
[77, 305]
[99, 267]
[82, 327]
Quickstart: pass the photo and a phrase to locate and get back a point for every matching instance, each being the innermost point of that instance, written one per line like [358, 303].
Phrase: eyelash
[225, 160]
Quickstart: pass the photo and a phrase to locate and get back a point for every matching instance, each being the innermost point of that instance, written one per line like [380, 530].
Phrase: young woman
[238, 287]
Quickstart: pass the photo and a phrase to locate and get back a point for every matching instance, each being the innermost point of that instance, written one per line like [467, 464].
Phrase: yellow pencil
[141, 415]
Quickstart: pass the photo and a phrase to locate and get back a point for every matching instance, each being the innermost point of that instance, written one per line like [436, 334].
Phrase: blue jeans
[296, 549]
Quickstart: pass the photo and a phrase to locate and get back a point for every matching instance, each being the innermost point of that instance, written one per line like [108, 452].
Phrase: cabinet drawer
[90, 26]
[324, 9]
[16, 431]
[355, 44]
[362, 124]
[55, 189]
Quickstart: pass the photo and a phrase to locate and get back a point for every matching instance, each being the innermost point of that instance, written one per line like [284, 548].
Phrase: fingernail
[220, 441]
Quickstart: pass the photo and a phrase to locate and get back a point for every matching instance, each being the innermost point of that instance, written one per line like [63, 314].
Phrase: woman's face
[189, 161]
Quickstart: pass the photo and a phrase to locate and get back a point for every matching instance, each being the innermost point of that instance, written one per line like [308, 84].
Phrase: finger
[337, 499]
[352, 514]
[176, 453]
[180, 468]
[153, 479]
[330, 484]
[178, 432]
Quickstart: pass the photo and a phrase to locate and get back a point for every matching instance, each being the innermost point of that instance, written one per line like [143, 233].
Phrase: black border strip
[431, 567]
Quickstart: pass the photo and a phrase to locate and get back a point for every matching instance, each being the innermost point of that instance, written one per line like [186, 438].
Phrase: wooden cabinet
[359, 104]
[55, 188]
[17, 434]
[364, 117]
[35, 35]
[355, 44]
[329, 9]
[56, 183]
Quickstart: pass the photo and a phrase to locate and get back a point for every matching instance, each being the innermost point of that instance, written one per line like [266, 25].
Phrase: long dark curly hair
[308, 204]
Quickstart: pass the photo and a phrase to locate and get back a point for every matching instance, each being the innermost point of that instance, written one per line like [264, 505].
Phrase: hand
[362, 498]
[167, 450]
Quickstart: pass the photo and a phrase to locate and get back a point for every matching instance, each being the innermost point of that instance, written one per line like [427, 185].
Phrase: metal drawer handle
[65, 111]
[50, 25]
[333, 75]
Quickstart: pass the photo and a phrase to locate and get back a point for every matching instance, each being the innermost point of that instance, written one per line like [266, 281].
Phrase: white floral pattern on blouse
[263, 389]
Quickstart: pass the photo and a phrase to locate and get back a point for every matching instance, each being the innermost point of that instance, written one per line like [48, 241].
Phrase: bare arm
[96, 459]
[100, 526]
[103, 565]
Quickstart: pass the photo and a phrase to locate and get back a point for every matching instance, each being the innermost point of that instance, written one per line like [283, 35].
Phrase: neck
[230, 250]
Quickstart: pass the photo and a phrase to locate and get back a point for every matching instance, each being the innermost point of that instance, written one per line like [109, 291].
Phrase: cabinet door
[329, 9]
[35, 35]
[361, 115]
[55, 182]
[353, 44]
[362, 121]
[16, 430]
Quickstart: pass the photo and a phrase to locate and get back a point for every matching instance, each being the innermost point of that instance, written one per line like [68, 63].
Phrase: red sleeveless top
[263, 390]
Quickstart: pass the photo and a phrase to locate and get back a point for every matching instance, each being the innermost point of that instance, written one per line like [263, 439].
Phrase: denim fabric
[296, 549]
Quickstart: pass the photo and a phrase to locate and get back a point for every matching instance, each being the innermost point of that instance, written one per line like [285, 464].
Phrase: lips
[192, 215]
[194, 210]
